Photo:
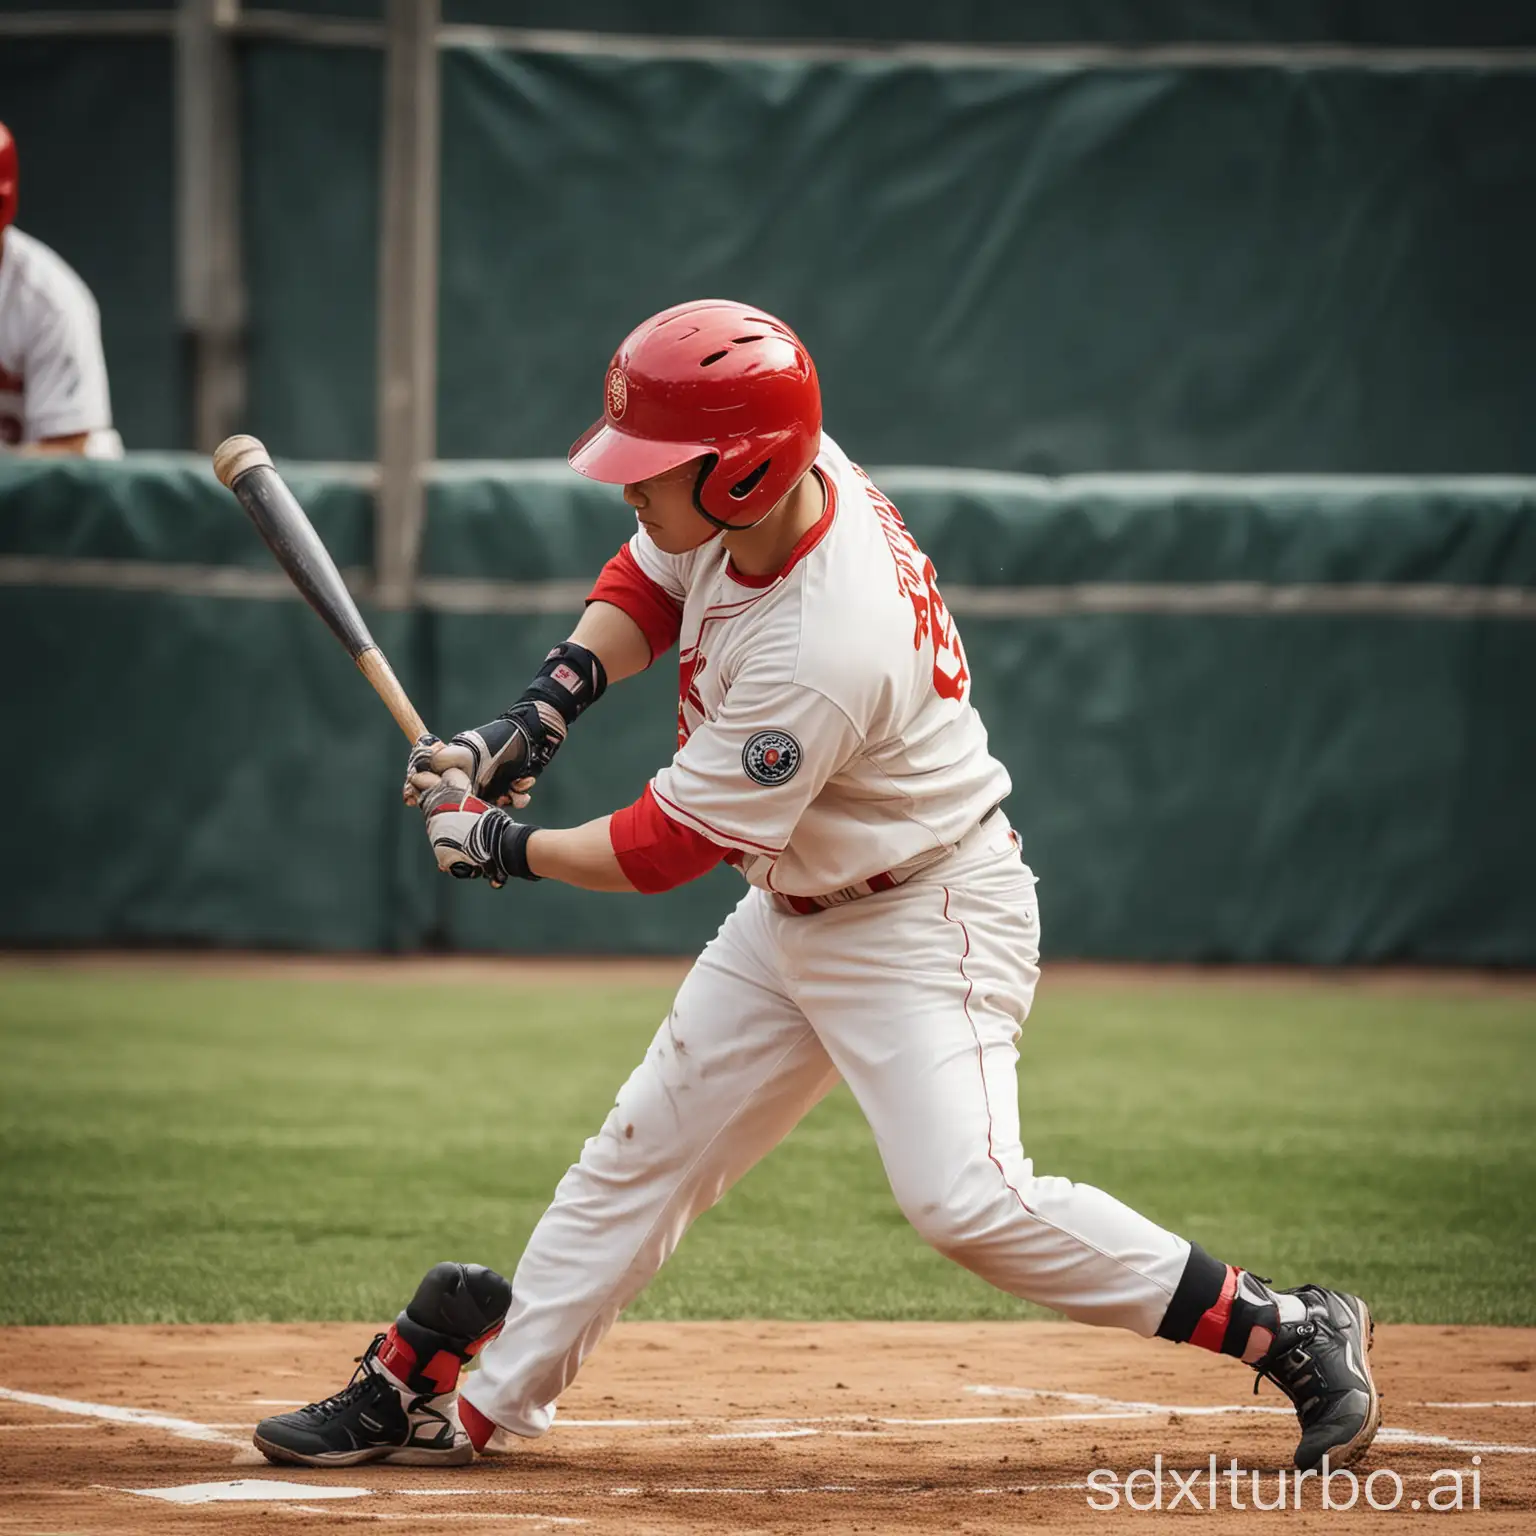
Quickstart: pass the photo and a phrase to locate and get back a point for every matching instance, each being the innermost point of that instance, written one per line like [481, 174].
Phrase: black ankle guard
[456, 1311]
[1198, 1290]
[1218, 1306]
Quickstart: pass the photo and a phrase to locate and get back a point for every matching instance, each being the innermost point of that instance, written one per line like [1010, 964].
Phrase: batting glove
[505, 757]
[470, 839]
[417, 764]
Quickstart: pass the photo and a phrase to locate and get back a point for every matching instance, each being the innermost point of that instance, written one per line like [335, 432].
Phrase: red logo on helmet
[618, 393]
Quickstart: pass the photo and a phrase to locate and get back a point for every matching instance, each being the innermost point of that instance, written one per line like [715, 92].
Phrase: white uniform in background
[53, 373]
[890, 940]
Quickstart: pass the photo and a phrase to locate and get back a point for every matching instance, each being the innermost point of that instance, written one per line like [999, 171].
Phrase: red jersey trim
[730, 839]
[808, 541]
[655, 852]
[649, 604]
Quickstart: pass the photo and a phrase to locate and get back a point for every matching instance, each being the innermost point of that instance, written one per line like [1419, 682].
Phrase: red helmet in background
[711, 378]
[7, 176]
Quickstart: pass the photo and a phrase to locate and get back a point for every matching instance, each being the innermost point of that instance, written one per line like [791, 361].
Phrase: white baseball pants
[913, 997]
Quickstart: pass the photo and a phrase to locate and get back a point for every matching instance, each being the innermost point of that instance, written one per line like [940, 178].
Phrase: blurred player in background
[53, 373]
[828, 749]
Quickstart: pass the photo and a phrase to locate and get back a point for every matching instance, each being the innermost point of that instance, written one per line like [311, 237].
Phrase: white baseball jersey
[825, 728]
[827, 737]
[53, 374]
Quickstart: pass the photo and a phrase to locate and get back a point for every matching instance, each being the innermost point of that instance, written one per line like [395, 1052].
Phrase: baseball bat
[245, 466]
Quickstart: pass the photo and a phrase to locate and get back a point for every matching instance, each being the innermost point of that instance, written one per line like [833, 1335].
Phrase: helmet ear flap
[706, 469]
[744, 488]
[738, 492]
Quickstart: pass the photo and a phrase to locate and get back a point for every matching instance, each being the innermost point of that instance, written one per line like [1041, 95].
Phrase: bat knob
[235, 455]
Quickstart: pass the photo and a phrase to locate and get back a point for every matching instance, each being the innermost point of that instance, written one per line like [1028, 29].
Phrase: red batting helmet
[7, 176]
[712, 379]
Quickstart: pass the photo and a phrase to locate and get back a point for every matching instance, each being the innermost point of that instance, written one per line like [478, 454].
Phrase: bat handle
[381, 675]
[372, 664]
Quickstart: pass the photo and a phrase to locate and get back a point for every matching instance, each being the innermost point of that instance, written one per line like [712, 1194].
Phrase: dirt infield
[770, 1427]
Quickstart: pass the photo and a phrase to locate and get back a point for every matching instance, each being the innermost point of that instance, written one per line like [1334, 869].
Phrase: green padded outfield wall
[1476, 23]
[1246, 720]
[311, 120]
[1051, 270]
[1052, 22]
[1277, 268]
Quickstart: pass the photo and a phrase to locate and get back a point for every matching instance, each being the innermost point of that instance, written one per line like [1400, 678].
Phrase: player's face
[664, 507]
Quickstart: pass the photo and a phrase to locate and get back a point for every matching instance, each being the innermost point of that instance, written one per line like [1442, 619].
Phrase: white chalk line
[764, 1434]
[183, 1429]
[1089, 1397]
[467, 1514]
[1104, 1408]
[869, 1490]
[799, 1429]
[625, 1491]
[1086, 1398]
[564, 1423]
[1034, 1393]
[1391, 1436]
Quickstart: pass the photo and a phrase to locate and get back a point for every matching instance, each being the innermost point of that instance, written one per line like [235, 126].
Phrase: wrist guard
[512, 851]
[571, 680]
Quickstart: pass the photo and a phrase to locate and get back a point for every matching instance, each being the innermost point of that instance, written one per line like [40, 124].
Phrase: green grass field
[191, 1148]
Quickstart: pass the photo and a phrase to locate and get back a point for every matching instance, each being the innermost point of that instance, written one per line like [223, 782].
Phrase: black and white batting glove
[419, 762]
[470, 839]
[505, 756]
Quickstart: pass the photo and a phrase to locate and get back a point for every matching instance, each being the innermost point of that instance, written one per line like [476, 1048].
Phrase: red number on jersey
[918, 583]
[951, 676]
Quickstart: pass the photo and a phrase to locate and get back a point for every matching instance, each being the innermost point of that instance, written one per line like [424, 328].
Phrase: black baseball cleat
[1323, 1365]
[370, 1419]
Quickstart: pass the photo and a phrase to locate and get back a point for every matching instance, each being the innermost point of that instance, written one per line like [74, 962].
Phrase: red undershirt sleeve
[655, 852]
[649, 604]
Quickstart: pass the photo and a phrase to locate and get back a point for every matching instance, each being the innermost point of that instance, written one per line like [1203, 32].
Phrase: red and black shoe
[372, 1418]
[402, 1404]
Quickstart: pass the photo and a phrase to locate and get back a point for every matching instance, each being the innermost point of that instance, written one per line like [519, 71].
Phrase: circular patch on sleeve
[770, 758]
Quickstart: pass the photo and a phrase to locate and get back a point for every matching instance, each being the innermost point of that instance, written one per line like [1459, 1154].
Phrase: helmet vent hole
[738, 340]
[746, 487]
[714, 357]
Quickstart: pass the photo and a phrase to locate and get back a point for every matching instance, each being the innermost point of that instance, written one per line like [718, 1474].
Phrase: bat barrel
[245, 466]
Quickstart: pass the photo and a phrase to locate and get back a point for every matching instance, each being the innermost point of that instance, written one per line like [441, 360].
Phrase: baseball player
[889, 936]
[53, 374]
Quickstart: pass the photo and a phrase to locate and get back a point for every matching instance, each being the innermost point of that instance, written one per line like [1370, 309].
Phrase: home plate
[250, 1490]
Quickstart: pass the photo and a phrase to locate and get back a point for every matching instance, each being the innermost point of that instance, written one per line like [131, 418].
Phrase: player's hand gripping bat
[244, 465]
